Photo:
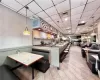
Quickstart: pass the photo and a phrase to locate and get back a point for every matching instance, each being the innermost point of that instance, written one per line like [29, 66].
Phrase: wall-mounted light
[26, 31]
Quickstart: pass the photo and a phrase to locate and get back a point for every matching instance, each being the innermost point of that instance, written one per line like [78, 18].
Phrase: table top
[25, 58]
[88, 49]
[95, 56]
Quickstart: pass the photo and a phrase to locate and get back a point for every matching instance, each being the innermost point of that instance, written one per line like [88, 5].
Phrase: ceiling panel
[57, 1]
[77, 3]
[24, 2]
[76, 16]
[44, 3]
[88, 13]
[84, 19]
[77, 10]
[67, 23]
[12, 4]
[23, 12]
[62, 7]
[93, 5]
[42, 15]
[98, 11]
[55, 17]
[56, 21]
[96, 16]
[90, 21]
[34, 7]
[90, 0]
[48, 19]
[51, 11]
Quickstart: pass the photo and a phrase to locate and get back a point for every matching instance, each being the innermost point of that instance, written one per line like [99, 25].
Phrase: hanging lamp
[93, 33]
[26, 31]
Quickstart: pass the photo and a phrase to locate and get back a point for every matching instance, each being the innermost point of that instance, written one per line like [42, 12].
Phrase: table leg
[32, 74]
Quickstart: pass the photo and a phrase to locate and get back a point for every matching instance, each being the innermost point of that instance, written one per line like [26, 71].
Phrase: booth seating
[41, 52]
[7, 74]
[92, 61]
[43, 64]
[83, 51]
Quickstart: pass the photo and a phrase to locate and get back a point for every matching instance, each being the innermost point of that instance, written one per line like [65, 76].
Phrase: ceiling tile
[34, 7]
[55, 17]
[98, 11]
[77, 10]
[24, 2]
[90, 0]
[84, 19]
[62, 7]
[23, 12]
[77, 3]
[95, 4]
[90, 21]
[51, 11]
[96, 16]
[88, 13]
[42, 15]
[76, 16]
[48, 19]
[12, 4]
[44, 3]
[57, 1]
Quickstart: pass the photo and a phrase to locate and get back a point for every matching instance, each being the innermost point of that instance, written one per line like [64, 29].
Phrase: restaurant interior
[49, 40]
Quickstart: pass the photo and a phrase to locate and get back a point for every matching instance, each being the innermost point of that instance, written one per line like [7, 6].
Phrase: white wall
[98, 32]
[12, 26]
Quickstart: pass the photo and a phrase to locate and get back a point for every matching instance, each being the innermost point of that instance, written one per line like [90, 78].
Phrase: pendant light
[93, 33]
[26, 31]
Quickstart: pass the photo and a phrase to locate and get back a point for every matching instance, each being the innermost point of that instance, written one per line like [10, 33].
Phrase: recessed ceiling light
[68, 28]
[82, 22]
[66, 19]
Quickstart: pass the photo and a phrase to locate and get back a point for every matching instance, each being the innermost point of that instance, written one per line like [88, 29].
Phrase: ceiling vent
[65, 14]
[81, 24]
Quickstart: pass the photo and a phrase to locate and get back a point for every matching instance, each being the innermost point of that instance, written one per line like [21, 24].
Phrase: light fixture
[26, 31]
[93, 33]
[66, 19]
[82, 22]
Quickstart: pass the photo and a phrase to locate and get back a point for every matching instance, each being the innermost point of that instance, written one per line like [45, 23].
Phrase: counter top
[42, 48]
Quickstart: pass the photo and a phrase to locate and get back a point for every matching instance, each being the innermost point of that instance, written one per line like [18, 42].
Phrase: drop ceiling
[51, 11]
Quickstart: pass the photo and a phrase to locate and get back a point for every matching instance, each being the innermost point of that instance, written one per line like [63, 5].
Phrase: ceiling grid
[51, 10]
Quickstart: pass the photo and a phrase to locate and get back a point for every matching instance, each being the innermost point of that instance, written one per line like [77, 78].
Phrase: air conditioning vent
[81, 24]
[65, 14]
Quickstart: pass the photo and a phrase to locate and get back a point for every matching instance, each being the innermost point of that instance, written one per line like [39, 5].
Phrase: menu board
[43, 35]
[36, 34]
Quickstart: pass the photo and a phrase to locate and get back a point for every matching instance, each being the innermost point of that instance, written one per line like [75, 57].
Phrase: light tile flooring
[74, 67]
